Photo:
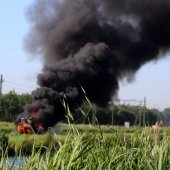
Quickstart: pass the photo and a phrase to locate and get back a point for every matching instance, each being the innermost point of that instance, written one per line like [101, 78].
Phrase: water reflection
[15, 163]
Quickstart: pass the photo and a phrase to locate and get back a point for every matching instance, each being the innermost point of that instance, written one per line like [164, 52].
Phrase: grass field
[88, 147]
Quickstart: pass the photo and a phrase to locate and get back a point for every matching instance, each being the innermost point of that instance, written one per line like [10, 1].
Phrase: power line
[12, 85]
[129, 102]
[17, 87]
[141, 117]
[13, 88]
[18, 84]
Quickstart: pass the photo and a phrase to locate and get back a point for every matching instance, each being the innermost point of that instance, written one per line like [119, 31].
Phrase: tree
[9, 106]
[12, 104]
[166, 111]
[23, 100]
[166, 116]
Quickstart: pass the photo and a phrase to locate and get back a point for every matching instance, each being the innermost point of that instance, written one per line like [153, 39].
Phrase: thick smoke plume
[93, 44]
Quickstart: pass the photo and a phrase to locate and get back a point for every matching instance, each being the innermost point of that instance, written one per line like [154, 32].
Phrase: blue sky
[151, 81]
[19, 70]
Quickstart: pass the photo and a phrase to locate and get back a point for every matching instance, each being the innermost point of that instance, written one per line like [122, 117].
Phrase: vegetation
[119, 114]
[87, 146]
[17, 141]
[120, 149]
[11, 104]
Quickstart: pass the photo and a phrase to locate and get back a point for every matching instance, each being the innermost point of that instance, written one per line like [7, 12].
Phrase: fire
[29, 124]
[24, 128]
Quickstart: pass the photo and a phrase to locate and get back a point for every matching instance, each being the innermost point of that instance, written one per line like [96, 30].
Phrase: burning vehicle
[44, 112]
[29, 124]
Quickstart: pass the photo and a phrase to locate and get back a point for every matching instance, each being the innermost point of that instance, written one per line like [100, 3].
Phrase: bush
[3, 141]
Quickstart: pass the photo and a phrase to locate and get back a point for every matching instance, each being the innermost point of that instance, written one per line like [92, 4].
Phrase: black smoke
[92, 44]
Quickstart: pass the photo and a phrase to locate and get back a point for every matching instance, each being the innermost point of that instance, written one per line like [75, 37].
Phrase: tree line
[119, 114]
[12, 104]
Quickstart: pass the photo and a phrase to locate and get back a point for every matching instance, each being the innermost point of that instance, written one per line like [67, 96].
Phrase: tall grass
[83, 151]
[90, 151]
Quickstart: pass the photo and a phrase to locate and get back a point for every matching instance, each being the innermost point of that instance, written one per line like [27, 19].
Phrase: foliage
[17, 141]
[3, 141]
[117, 115]
[119, 151]
[23, 100]
[167, 111]
[11, 104]
[166, 116]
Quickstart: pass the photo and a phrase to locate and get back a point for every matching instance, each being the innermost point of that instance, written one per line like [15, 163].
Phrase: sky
[19, 70]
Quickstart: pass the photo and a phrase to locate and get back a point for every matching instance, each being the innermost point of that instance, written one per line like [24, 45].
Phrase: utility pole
[144, 104]
[144, 101]
[1, 81]
[112, 115]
